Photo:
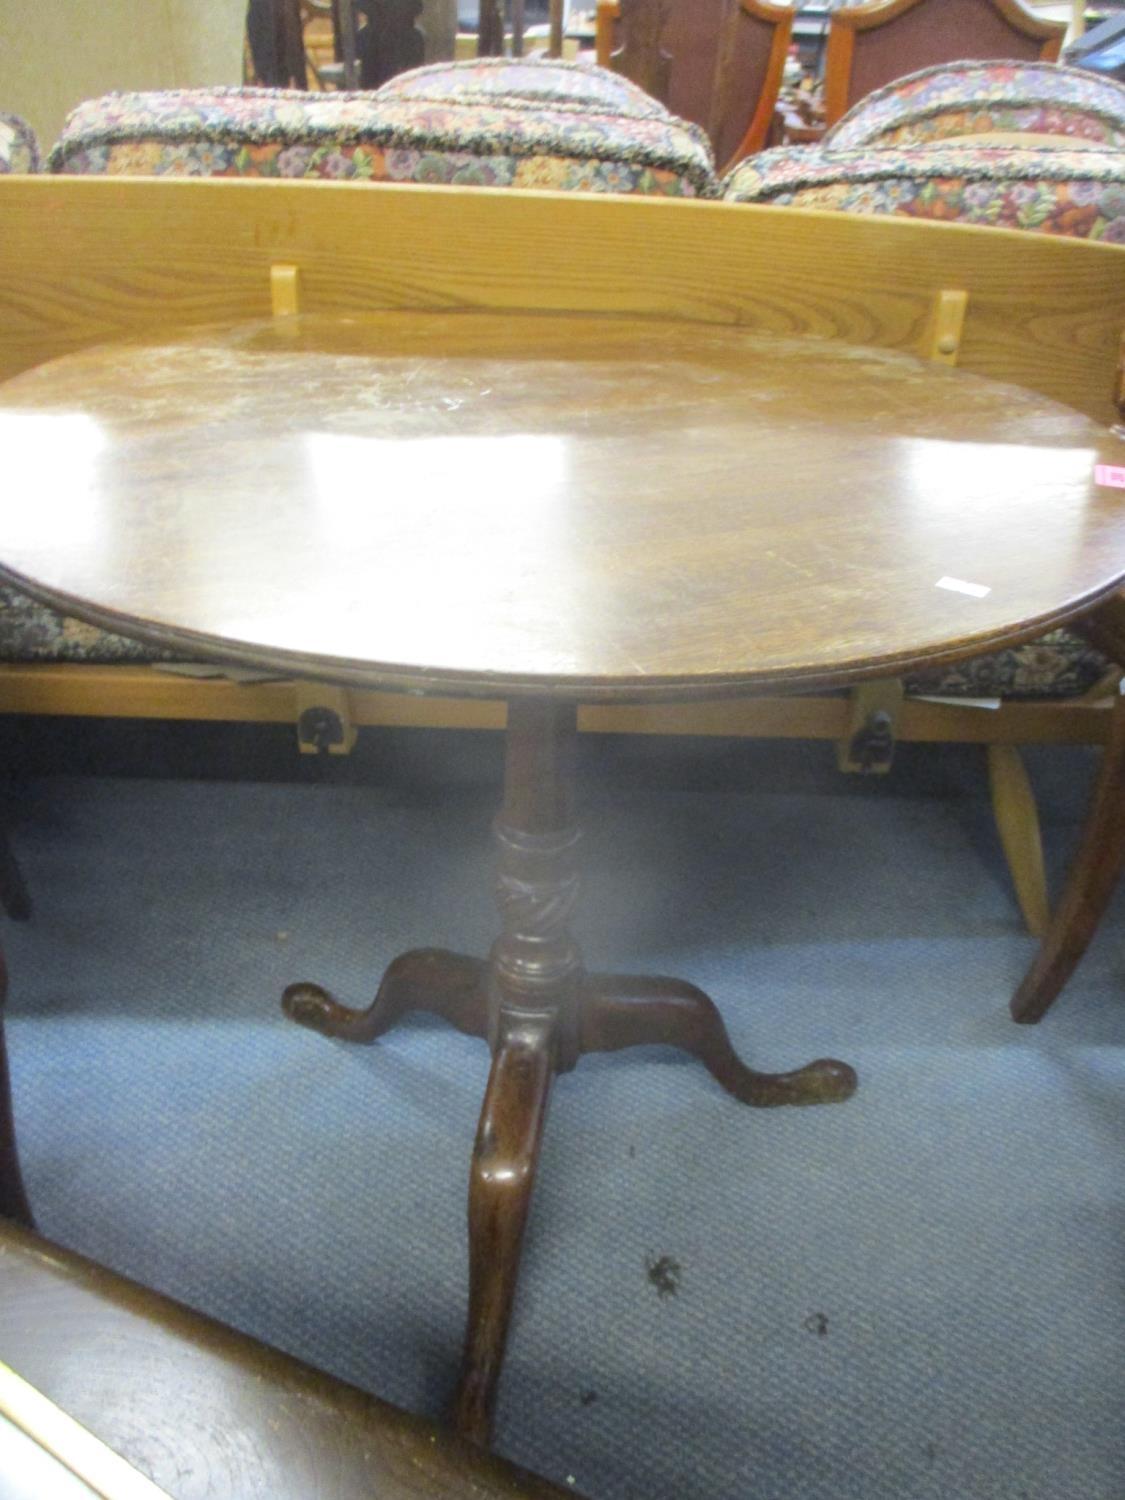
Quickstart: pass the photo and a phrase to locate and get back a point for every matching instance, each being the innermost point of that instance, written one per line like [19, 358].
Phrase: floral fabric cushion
[30, 632]
[18, 149]
[1079, 193]
[526, 82]
[375, 137]
[968, 98]
[1058, 665]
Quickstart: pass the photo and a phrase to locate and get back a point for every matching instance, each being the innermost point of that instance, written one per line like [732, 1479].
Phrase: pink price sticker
[1112, 475]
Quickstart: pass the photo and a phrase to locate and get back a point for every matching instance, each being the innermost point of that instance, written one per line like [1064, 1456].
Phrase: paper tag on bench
[1110, 474]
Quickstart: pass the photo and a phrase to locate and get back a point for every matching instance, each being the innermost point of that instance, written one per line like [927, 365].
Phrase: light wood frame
[1040, 311]
[844, 25]
[757, 132]
[85, 259]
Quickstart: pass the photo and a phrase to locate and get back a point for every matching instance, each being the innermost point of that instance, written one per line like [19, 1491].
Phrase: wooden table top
[590, 506]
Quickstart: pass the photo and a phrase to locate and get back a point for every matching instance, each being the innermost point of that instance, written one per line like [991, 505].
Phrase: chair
[387, 39]
[524, 83]
[275, 46]
[388, 136]
[871, 44]
[716, 62]
[1078, 193]
[492, 27]
[1091, 881]
[319, 43]
[1096, 867]
[968, 98]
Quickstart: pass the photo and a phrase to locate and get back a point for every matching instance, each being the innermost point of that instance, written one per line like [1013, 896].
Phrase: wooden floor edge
[144, 693]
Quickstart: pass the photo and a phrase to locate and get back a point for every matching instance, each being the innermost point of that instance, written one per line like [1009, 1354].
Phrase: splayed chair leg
[1017, 822]
[1089, 884]
[14, 896]
[630, 1010]
[13, 1198]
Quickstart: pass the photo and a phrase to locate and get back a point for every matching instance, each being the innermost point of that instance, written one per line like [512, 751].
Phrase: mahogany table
[549, 509]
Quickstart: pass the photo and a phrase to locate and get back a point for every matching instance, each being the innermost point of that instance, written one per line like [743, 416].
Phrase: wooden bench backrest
[88, 259]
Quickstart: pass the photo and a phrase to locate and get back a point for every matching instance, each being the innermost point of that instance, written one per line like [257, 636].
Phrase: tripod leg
[628, 1010]
[500, 1186]
[448, 984]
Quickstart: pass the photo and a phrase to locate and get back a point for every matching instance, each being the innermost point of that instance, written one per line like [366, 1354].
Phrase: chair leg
[1089, 885]
[14, 896]
[13, 1199]
[1017, 820]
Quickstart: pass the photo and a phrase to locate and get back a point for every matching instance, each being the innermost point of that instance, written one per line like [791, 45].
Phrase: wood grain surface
[600, 507]
[1045, 312]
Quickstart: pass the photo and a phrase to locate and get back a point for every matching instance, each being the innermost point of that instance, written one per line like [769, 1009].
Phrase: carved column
[536, 963]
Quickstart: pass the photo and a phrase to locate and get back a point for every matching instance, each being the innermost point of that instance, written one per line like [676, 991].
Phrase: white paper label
[959, 586]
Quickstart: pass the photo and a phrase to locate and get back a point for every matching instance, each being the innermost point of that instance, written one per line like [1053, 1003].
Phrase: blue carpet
[917, 1294]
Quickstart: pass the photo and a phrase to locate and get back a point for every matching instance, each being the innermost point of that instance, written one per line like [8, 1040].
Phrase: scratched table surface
[592, 506]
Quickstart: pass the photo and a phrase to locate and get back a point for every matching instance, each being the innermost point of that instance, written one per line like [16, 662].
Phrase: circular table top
[589, 506]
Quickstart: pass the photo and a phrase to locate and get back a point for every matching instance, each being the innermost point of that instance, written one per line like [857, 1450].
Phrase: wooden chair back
[717, 62]
[312, 44]
[275, 44]
[872, 44]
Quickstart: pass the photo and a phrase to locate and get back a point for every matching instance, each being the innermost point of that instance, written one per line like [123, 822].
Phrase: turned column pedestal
[539, 1009]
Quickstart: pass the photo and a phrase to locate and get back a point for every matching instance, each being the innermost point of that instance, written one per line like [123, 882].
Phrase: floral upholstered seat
[525, 83]
[476, 139]
[18, 150]
[30, 632]
[1077, 192]
[1059, 665]
[972, 98]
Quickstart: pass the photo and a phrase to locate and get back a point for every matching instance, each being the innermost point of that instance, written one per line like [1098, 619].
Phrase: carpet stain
[664, 1274]
[817, 1323]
